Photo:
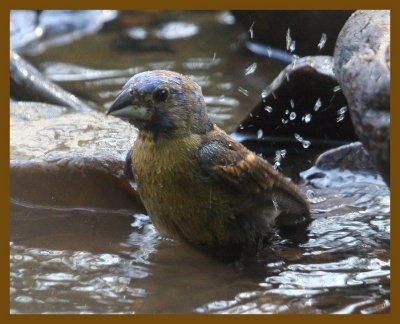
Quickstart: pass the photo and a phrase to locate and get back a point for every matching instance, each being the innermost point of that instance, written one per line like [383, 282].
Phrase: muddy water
[88, 260]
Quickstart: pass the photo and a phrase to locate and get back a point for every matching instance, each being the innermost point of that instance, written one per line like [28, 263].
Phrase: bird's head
[163, 103]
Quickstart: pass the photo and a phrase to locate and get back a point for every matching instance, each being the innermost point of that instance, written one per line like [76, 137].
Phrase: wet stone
[305, 88]
[29, 110]
[69, 160]
[351, 156]
[362, 65]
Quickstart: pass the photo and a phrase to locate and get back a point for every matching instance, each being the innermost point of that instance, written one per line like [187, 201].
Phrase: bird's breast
[175, 192]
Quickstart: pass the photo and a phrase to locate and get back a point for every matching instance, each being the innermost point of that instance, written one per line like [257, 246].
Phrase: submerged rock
[69, 160]
[362, 66]
[304, 99]
[27, 83]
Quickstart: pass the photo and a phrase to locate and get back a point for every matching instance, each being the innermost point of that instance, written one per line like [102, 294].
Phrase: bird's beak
[126, 106]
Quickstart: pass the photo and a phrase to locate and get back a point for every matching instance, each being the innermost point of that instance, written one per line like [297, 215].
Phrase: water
[82, 260]
[341, 264]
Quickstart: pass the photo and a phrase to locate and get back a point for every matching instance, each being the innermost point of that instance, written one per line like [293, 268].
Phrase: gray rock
[362, 66]
[69, 160]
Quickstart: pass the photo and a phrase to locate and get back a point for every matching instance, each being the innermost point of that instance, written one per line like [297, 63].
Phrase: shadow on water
[92, 260]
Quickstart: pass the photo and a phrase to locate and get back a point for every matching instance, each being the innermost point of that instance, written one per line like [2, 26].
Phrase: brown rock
[69, 160]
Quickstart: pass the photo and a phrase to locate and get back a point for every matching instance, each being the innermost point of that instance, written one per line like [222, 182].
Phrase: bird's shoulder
[227, 160]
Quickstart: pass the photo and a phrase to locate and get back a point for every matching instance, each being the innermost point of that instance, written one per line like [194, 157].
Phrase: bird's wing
[128, 172]
[228, 161]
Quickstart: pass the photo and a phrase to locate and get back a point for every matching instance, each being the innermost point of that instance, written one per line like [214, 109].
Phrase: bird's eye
[160, 95]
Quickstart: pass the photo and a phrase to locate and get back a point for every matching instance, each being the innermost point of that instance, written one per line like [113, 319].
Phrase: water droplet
[244, 91]
[317, 104]
[284, 121]
[291, 103]
[307, 118]
[268, 109]
[275, 204]
[292, 46]
[298, 137]
[336, 88]
[292, 115]
[340, 118]
[279, 155]
[306, 144]
[288, 39]
[290, 43]
[241, 126]
[251, 30]
[264, 94]
[342, 110]
[259, 133]
[277, 164]
[322, 41]
[251, 69]
[287, 112]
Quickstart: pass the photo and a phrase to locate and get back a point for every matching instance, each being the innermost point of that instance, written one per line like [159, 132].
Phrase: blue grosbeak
[196, 182]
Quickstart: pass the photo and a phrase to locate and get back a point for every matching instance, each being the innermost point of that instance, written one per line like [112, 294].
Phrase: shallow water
[88, 260]
[95, 261]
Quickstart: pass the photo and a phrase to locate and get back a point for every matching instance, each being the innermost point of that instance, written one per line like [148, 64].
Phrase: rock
[27, 83]
[347, 166]
[362, 66]
[303, 99]
[306, 28]
[351, 156]
[69, 160]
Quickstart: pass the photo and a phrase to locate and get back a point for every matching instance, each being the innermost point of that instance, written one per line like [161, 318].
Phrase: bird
[196, 182]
